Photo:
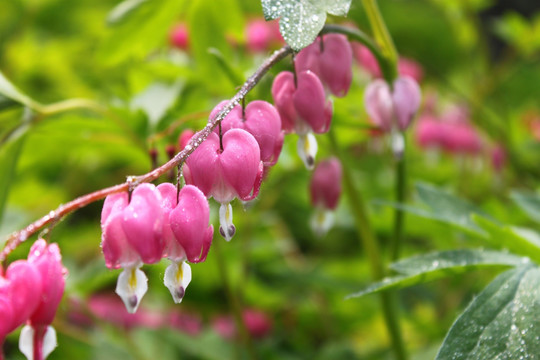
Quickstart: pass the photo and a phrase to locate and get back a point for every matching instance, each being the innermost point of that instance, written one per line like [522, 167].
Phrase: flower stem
[371, 247]
[234, 302]
[399, 215]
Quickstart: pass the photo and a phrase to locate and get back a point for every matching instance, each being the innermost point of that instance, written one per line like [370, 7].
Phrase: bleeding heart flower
[325, 190]
[38, 338]
[187, 234]
[303, 108]
[234, 170]
[179, 37]
[330, 58]
[260, 119]
[132, 235]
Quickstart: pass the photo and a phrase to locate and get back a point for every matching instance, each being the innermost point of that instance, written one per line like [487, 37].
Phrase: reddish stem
[39, 334]
[18, 237]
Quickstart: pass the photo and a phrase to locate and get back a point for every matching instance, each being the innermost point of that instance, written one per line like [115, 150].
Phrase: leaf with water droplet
[301, 20]
[503, 322]
[424, 268]
[529, 202]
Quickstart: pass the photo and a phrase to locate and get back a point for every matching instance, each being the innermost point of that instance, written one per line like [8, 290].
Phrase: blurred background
[146, 70]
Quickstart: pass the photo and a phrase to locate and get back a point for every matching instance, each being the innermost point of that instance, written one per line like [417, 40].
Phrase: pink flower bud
[330, 60]
[302, 106]
[179, 37]
[392, 108]
[325, 186]
[429, 132]
[235, 171]
[258, 324]
[262, 120]
[259, 35]
[48, 262]
[366, 59]
[132, 232]
[409, 67]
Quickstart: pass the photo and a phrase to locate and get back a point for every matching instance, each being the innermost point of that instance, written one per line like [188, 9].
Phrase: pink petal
[48, 262]
[379, 104]
[264, 123]
[202, 167]
[189, 223]
[6, 314]
[406, 97]
[143, 223]
[24, 284]
[233, 119]
[169, 193]
[310, 102]
[283, 89]
[239, 162]
[116, 249]
[336, 64]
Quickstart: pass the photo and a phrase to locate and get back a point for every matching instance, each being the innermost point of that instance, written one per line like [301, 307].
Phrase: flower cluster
[322, 68]
[30, 291]
[149, 224]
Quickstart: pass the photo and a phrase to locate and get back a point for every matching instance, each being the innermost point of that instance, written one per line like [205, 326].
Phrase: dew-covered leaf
[429, 267]
[503, 322]
[528, 202]
[301, 20]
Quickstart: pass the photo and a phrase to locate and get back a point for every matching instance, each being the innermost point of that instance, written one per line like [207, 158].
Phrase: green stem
[234, 301]
[381, 34]
[399, 215]
[369, 242]
[70, 104]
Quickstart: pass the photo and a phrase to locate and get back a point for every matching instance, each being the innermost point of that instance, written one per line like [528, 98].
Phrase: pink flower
[132, 230]
[260, 119]
[409, 67]
[132, 235]
[331, 60]
[179, 36]
[429, 132]
[325, 190]
[38, 338]
[257, 323]
[188, 323]
[226, 173]
[325, 186]
[303, 108]
[112, 310]
[392, 108]
[186, 232]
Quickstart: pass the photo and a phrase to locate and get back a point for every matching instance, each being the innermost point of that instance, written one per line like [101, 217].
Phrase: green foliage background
[62, 49]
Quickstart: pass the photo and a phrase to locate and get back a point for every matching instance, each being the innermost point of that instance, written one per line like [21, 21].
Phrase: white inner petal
[321, 221]
[131, 286]
[307, 149]
[226, 226]
[26, 341]
[177, 279]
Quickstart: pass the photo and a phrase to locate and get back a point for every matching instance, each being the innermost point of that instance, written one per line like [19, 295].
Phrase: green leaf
[517, 240]
[8, 92]
[9, 154]
[443, 207]
[122, 10]
[503, 322]
[301, 20]
[156, 99]
[425, 268]
[528, 202]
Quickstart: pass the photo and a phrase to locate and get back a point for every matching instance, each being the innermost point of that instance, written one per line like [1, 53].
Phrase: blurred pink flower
[179, 36]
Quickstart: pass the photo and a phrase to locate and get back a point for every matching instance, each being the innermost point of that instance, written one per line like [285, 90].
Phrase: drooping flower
[392, 109]
[38, 338]
[132, 235]
[232, 171]
[303, 108]
[260, 119]
[330, 58]
[186, 232]
[325, 190]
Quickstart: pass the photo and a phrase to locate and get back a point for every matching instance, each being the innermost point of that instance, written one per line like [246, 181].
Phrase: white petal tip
[177, 278]
[131, 286]
[26, 342]
[307, 149]
[226, 226]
